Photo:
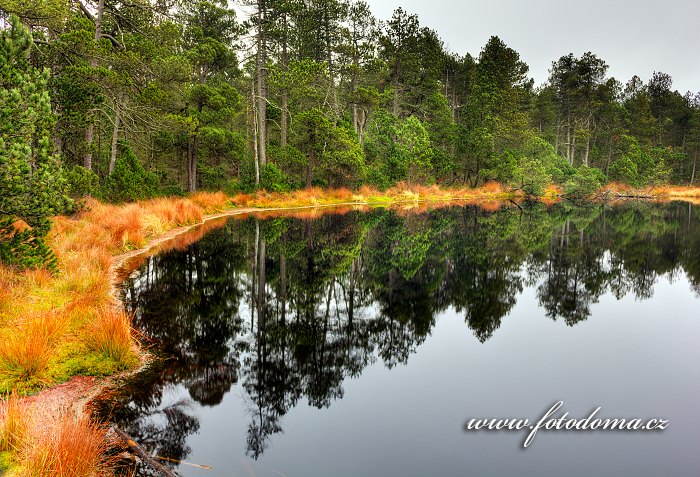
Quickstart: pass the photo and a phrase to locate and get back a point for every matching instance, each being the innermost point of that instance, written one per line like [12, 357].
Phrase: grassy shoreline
[58, 326]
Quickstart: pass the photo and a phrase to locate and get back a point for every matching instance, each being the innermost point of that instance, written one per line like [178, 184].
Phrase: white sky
[632, 36]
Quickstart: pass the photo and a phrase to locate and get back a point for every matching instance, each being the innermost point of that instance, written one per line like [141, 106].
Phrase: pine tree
[32, 183]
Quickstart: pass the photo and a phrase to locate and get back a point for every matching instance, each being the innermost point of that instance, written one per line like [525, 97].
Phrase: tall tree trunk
[588, 141]
[256, 151]
[261, 59]
[115, 139]
[193, 162]
[353, 81]
[90, 131]
[285, 94]
[362, 122]
[695, 161]
[568, 141]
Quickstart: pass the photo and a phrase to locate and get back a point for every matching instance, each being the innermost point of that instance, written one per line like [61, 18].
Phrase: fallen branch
[143, 455]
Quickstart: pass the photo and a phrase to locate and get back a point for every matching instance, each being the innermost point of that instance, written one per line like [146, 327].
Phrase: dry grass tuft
[72, 446]
[25, 355]
[14, 422]
[211, 202]
[110, 334]
[492, 188]
[678, 192]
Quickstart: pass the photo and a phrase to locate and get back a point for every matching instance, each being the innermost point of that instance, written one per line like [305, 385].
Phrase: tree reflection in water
[292, 308]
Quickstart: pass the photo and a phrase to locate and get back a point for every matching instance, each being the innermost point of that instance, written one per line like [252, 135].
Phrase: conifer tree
[32, 183]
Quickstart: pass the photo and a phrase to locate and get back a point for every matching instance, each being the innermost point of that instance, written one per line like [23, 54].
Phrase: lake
[360, 343]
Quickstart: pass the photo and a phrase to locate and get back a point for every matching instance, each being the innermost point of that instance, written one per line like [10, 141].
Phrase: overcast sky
[632, 36]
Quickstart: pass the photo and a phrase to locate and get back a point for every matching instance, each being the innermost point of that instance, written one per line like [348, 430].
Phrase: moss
[7, 464]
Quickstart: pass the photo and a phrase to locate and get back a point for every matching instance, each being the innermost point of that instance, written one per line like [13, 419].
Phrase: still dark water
[360, 344]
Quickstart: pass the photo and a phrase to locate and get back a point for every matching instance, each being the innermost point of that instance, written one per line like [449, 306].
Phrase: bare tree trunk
[695, 161]
[115, 139]
[262, 92]
[255, 138]
[355, 119]
[568, 142]
[588, 141]
[285, 94]
[361, 132]
[90, 131]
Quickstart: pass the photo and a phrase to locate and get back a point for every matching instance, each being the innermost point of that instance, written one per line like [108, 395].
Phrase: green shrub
[82, 182]
[585, 182]
[129, 181]
[274, 180]
[24, 249]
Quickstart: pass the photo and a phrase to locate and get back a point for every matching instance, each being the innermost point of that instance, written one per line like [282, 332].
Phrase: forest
[128, 100]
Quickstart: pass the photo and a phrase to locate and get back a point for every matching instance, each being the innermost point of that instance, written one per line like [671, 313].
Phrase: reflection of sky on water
[409, 420]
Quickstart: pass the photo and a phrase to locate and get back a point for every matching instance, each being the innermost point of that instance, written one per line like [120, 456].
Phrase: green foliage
[273, 179]
[556, 166]
[82, 182]
[413, 153]
[32, 182]
[24, 248]
[642, 166]
[534, 174]
[624, 169]
[585, 182]
[332, 152]
[129, 181]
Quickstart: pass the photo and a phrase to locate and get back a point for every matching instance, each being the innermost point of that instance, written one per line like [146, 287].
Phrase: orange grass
[109, 334]
[48, 321]
[71, 446]
[665, 192]
[13, 423]
[402, 192]
[681, 192]
[24, 356]
[44, 315]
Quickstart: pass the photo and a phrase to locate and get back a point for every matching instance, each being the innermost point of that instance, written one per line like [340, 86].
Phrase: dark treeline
[291, 308]
[155, 97]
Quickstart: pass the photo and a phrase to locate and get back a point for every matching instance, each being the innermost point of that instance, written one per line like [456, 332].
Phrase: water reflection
[289, 308]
